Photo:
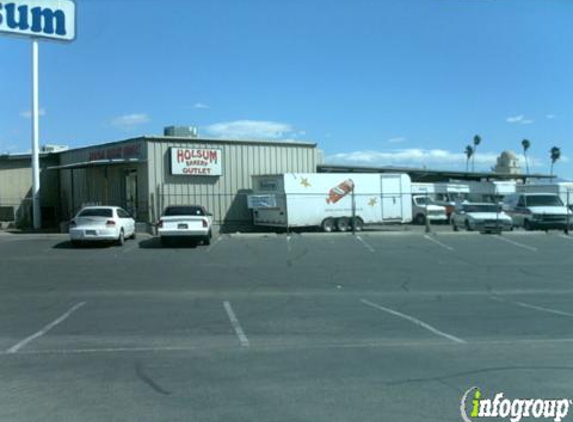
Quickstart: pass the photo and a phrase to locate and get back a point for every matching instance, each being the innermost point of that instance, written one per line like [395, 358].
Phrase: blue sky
[400, 82]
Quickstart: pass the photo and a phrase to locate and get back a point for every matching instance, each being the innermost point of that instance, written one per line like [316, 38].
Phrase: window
[544, 201]
[184, 210]
[122, 214]
[97, 212]
[521, 202]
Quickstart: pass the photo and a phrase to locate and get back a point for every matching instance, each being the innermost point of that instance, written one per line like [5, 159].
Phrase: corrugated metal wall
[225, 195]
[16, 188]
[101, 184]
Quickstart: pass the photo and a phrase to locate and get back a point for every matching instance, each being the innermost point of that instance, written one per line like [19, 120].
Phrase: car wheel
[342, 224]
[527, 225]
[467, 226]
[164, 241]
[454, 226]
[133, 236]
[358, 224]
[327, 225]
[121, 238]
[207, 239]
[420, 219]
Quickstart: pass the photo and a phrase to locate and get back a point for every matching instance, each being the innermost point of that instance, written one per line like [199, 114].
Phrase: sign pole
[36, 210]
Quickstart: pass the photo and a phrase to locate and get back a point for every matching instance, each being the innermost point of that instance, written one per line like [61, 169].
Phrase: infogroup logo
[513, 409]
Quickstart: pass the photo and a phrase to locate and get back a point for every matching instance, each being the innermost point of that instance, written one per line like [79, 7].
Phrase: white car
[183, 222]
[102, 224]
[480, 216]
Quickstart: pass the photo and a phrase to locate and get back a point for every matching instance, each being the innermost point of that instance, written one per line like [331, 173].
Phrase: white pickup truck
[184, 222]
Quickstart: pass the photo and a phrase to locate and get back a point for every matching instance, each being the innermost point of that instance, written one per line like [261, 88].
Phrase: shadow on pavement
[85, 245]
[155, 243]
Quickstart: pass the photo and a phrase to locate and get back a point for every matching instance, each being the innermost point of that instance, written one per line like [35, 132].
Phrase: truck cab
[423, 207]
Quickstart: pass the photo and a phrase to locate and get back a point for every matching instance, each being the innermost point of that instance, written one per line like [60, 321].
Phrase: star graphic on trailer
[304, 182]
[372, 202]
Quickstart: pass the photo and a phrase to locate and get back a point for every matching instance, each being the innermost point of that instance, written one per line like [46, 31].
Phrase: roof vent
[181, 131]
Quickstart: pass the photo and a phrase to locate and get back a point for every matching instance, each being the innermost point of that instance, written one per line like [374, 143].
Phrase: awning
[97, 163]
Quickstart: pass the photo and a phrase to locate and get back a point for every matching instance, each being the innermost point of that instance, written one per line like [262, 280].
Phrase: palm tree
[469, 153]
[477, 141]
[526, 144]
[555, 155]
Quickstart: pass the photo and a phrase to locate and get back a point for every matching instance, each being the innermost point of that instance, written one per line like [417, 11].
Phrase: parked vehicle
[538, 211]
[185, 222]
[101, 223]
[327, 200]
[563, 189]
[493, 191]
[423, 208]
[450, 195]
[484, 217]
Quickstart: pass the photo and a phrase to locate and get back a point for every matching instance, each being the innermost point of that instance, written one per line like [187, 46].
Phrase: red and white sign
[196, 162]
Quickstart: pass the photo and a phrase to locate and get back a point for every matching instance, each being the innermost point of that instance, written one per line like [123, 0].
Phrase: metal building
[146, 174]
[16, 185]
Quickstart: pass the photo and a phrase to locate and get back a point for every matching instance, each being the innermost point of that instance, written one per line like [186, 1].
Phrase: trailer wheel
[420, 219]
[358, 224]
[342, 224]
[327, 225]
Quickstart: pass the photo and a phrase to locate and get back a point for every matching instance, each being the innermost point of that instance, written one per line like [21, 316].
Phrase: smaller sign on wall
[196, 162]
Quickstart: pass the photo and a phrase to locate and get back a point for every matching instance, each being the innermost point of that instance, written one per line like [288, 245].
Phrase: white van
[538, 211]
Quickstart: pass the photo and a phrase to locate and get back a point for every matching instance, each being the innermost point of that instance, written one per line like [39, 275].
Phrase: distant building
[507, 163]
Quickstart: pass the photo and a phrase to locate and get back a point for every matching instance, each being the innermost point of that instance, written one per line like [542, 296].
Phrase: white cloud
[397, 140]
[551, 116]
[251, 129]
[411, 157]
[201, 106]
[130, 121]
[520, 119]
[27, 114]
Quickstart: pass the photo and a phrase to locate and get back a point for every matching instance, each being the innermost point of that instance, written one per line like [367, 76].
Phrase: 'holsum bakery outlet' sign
[196, 162]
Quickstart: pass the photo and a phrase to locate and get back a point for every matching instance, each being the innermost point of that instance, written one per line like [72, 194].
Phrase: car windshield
[544, 201]
[481, 208]
[96, 212]
[185, 210]
[424, 201]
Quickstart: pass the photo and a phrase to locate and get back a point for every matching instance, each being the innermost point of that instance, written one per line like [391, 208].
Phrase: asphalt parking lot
[307, 327]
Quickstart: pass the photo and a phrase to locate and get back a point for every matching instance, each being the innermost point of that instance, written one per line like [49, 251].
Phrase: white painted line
[16, 347]
[215, 243]
[443, 245]
[564, 236]
[366, 245]
[236, 325]
[288, 244]
[519, 245]
[131, 247]
[534, 307]
[415, 321]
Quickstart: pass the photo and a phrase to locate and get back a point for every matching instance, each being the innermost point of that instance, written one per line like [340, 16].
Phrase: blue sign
[53, 19]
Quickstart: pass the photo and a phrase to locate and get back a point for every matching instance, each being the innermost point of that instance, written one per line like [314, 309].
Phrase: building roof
[426, 175]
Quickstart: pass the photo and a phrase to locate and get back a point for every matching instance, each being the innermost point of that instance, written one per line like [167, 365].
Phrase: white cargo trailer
[491, 190]
[327, 200]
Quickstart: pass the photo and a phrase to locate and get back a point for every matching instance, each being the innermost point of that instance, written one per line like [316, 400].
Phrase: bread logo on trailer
[340, 191]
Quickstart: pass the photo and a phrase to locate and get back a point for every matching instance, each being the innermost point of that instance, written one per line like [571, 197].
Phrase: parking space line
[212, 245]
[20, 345]
[564, 236]
[514, 243]
[130, 247]
[534, 307]
[366, 245]
[236, 325]
[443, 245]
[415, 321]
